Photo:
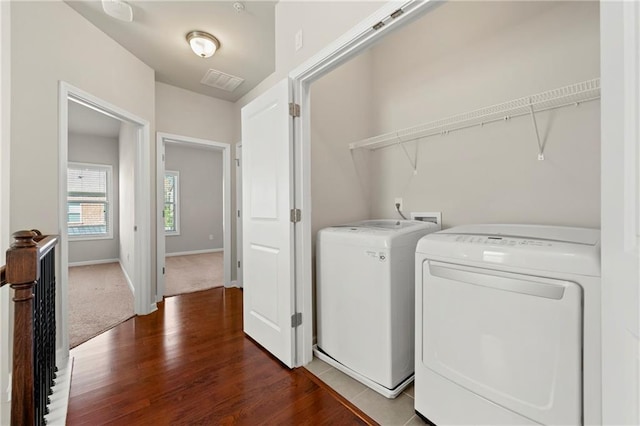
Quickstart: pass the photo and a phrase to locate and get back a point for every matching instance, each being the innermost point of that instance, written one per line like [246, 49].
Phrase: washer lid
[387, 226]
[535, 232]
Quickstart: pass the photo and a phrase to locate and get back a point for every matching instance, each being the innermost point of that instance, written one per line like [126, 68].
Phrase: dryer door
[513, 339]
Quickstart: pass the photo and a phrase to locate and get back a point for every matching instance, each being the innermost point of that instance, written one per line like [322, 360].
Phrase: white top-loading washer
[508, 325]
[365, 300]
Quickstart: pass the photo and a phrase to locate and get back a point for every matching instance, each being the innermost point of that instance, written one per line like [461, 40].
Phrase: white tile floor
[392, 412]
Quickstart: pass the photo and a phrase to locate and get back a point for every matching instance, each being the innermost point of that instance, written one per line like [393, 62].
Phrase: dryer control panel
[500, 241]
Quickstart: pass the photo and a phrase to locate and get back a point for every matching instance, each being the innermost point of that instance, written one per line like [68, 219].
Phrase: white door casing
[144, 301]
[620, 209]
[268, 233]
[161, 140]
[239, 214]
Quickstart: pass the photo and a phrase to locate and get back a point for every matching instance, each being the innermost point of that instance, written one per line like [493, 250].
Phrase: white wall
[499, 51]
[200, 193]
[127, 161]
[340, 111]
[97, 150]
[6, 308]
[620, 213]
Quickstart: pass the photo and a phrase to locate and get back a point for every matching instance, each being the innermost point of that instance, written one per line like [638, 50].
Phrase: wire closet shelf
[574, 94]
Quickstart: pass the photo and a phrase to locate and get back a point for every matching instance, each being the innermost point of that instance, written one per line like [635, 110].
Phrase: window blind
[88, 200]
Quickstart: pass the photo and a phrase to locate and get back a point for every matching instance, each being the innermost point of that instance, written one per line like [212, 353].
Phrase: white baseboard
[93, 262]
[126, 276]
[60, 397]
[186, 253]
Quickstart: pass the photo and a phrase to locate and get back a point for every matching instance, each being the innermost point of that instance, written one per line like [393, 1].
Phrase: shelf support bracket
[413, 163]
[535, 128]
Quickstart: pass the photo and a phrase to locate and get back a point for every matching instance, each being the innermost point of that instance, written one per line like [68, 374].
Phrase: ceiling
[86, 121]
[157, 37]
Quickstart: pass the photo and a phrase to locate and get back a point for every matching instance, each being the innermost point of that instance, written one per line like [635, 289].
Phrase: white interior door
[267, 197]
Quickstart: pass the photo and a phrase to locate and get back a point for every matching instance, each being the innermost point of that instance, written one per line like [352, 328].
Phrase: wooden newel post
[22, 274]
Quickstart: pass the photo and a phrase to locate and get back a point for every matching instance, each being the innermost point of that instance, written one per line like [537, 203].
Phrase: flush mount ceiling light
[203, 44]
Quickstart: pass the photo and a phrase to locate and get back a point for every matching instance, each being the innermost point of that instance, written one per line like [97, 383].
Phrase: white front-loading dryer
[508, 325]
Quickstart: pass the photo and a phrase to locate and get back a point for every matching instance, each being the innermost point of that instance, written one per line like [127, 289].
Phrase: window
[89, 204]
[171, 203]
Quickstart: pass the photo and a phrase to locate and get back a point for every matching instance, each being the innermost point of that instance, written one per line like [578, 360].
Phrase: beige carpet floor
[194, 272]
[99, 299]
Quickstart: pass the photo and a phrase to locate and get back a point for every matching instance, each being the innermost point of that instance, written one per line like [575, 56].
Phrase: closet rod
[574, 94]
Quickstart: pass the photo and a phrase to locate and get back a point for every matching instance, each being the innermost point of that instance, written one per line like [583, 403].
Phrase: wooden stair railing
[30, 271]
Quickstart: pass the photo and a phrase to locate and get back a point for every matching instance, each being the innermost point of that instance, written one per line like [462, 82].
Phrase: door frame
[352, 43]
[141, 279]
[239, 266]
[163, 138]
[613, 67]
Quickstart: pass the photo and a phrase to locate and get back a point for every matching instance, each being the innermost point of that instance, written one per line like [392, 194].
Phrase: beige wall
[498, 52]
[187, 113]
[425, 71]
[6, 308]
[340, 112]
[97, 150]
[80, 54]
[200, 193]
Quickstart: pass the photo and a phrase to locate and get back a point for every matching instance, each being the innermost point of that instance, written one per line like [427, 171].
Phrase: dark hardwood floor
[190, 363]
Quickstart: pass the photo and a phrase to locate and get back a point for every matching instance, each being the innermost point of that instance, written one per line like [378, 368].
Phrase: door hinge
[163, 270]
[296, 319]
[397, 13]
[237, 162]
[162, 213]
[296, 215]
[238, 263]
[238, 213]
[294, 109]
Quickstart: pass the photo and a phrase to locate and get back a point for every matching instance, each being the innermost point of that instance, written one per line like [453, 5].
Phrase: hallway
[190, 363]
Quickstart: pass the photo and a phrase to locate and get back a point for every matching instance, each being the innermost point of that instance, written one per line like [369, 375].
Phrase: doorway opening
[133, 227]
[193, 214]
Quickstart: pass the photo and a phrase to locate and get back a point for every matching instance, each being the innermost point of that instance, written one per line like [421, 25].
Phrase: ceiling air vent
[220, 80]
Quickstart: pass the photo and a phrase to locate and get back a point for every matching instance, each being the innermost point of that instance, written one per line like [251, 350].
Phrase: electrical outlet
[396, 202]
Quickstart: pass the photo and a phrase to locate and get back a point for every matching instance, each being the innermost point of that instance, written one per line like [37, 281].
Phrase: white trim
[142, 280]
[109, 170]
[187, 253]
[161, 139]
[238, 218]
[60, 396]
[344, 48]
[93, 262]
[176, 203]
[126, 277]
[620, 211]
